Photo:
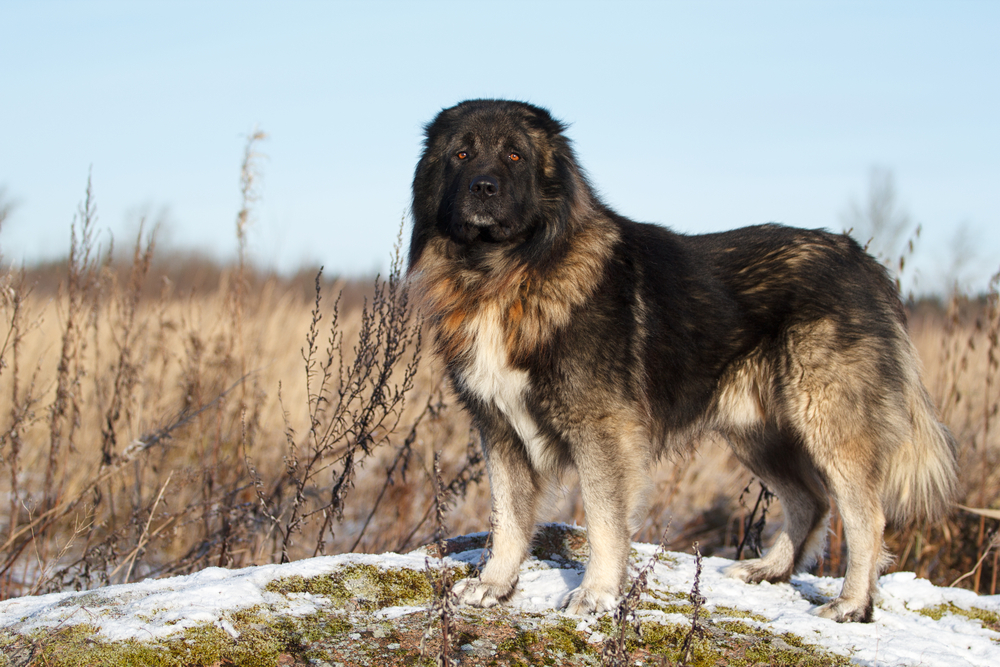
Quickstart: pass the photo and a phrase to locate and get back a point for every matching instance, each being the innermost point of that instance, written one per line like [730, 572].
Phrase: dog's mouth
[480, 229]
[495, 220]
[479, 225]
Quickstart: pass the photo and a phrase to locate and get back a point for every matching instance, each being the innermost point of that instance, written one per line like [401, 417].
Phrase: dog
[578, 338]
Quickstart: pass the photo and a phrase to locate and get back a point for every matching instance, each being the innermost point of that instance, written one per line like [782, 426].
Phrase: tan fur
[740, 399]
[920, 480]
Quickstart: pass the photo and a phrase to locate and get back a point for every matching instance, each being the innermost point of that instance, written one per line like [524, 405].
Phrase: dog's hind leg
[801, 481]
[515, 488]
[864, 521]
[788, 471]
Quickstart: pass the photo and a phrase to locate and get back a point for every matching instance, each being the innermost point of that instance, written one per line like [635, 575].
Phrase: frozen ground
[956, 628]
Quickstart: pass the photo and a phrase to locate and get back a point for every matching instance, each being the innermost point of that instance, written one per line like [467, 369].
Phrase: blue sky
[700, 116]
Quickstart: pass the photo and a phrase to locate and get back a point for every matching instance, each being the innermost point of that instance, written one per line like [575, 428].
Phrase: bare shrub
[354, 406]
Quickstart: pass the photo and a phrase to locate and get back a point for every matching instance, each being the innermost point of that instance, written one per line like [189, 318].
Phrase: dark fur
[577, 337]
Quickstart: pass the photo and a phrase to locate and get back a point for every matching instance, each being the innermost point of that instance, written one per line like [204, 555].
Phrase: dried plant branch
[126, 371]
[614, 652]
[753, 527]
[472, 471]
[444, 606]
[143, 538]
[994, 543]
[697, 601]
[80, 287]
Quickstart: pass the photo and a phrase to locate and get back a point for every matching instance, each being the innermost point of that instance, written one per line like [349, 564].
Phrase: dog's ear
[426, 190]
[568, 200]
[428, 184]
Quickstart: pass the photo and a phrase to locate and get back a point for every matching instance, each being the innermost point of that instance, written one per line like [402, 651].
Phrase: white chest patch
[491, 377]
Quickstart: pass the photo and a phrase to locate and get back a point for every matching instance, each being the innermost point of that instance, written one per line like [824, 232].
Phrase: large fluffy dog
[577, 337]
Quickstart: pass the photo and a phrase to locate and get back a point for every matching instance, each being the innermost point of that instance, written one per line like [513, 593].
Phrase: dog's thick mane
[532, 300]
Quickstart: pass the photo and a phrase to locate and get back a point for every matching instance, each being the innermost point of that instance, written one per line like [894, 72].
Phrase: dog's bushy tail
[922, 479]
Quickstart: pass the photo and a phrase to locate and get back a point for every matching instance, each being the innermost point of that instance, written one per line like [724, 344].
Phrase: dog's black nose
[484, 186]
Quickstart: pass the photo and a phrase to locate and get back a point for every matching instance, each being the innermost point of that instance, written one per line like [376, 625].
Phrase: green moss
[789, 649]
[726, 639]
[668, 596]
[661, 557]
[605, 625]
[665, 558]
[647, 605]
[262, 638]
[661, 637]
[989, 619]
[120, 653]
[313, 627]
[731, 642]
[530, 645]
[519, 645]
[366, 586]
[205, 645]
[732, 612]
[208, 644]
[668, 639]
[8, 639]
[564, 637]
[793, 640]
[682, 609]
[741, 628]
[519, 642]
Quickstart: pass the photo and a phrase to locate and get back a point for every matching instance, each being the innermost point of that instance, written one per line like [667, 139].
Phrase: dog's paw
[475, 592]
[846, 611]
[581, 601]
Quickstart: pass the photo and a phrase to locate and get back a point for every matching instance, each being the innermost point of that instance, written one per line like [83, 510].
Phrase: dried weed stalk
[23, 401]
[471, 473]
[697, 602]
[443, 608]
[614, 652]
[355, 405]
[753, 527]
[81, 296]
[126, 371]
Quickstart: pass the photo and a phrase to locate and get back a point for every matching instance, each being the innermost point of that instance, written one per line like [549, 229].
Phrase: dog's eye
[461, 155]
[514, 157]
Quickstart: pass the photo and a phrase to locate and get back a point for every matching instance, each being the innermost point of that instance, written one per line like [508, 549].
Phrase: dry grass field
[159, 415]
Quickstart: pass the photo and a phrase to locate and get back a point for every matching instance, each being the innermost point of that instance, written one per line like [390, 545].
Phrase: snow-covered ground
[900, 634]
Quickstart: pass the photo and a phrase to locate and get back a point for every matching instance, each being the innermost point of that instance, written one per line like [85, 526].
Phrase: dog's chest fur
[490, 376]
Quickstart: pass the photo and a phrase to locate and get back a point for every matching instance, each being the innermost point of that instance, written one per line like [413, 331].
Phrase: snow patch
[899, 635]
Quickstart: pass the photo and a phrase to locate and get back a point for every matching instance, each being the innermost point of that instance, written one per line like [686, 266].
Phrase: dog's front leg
[515, 488]
[606, 503]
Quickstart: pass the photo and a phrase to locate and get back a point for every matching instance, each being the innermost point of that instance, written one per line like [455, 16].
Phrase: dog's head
[493, 174]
